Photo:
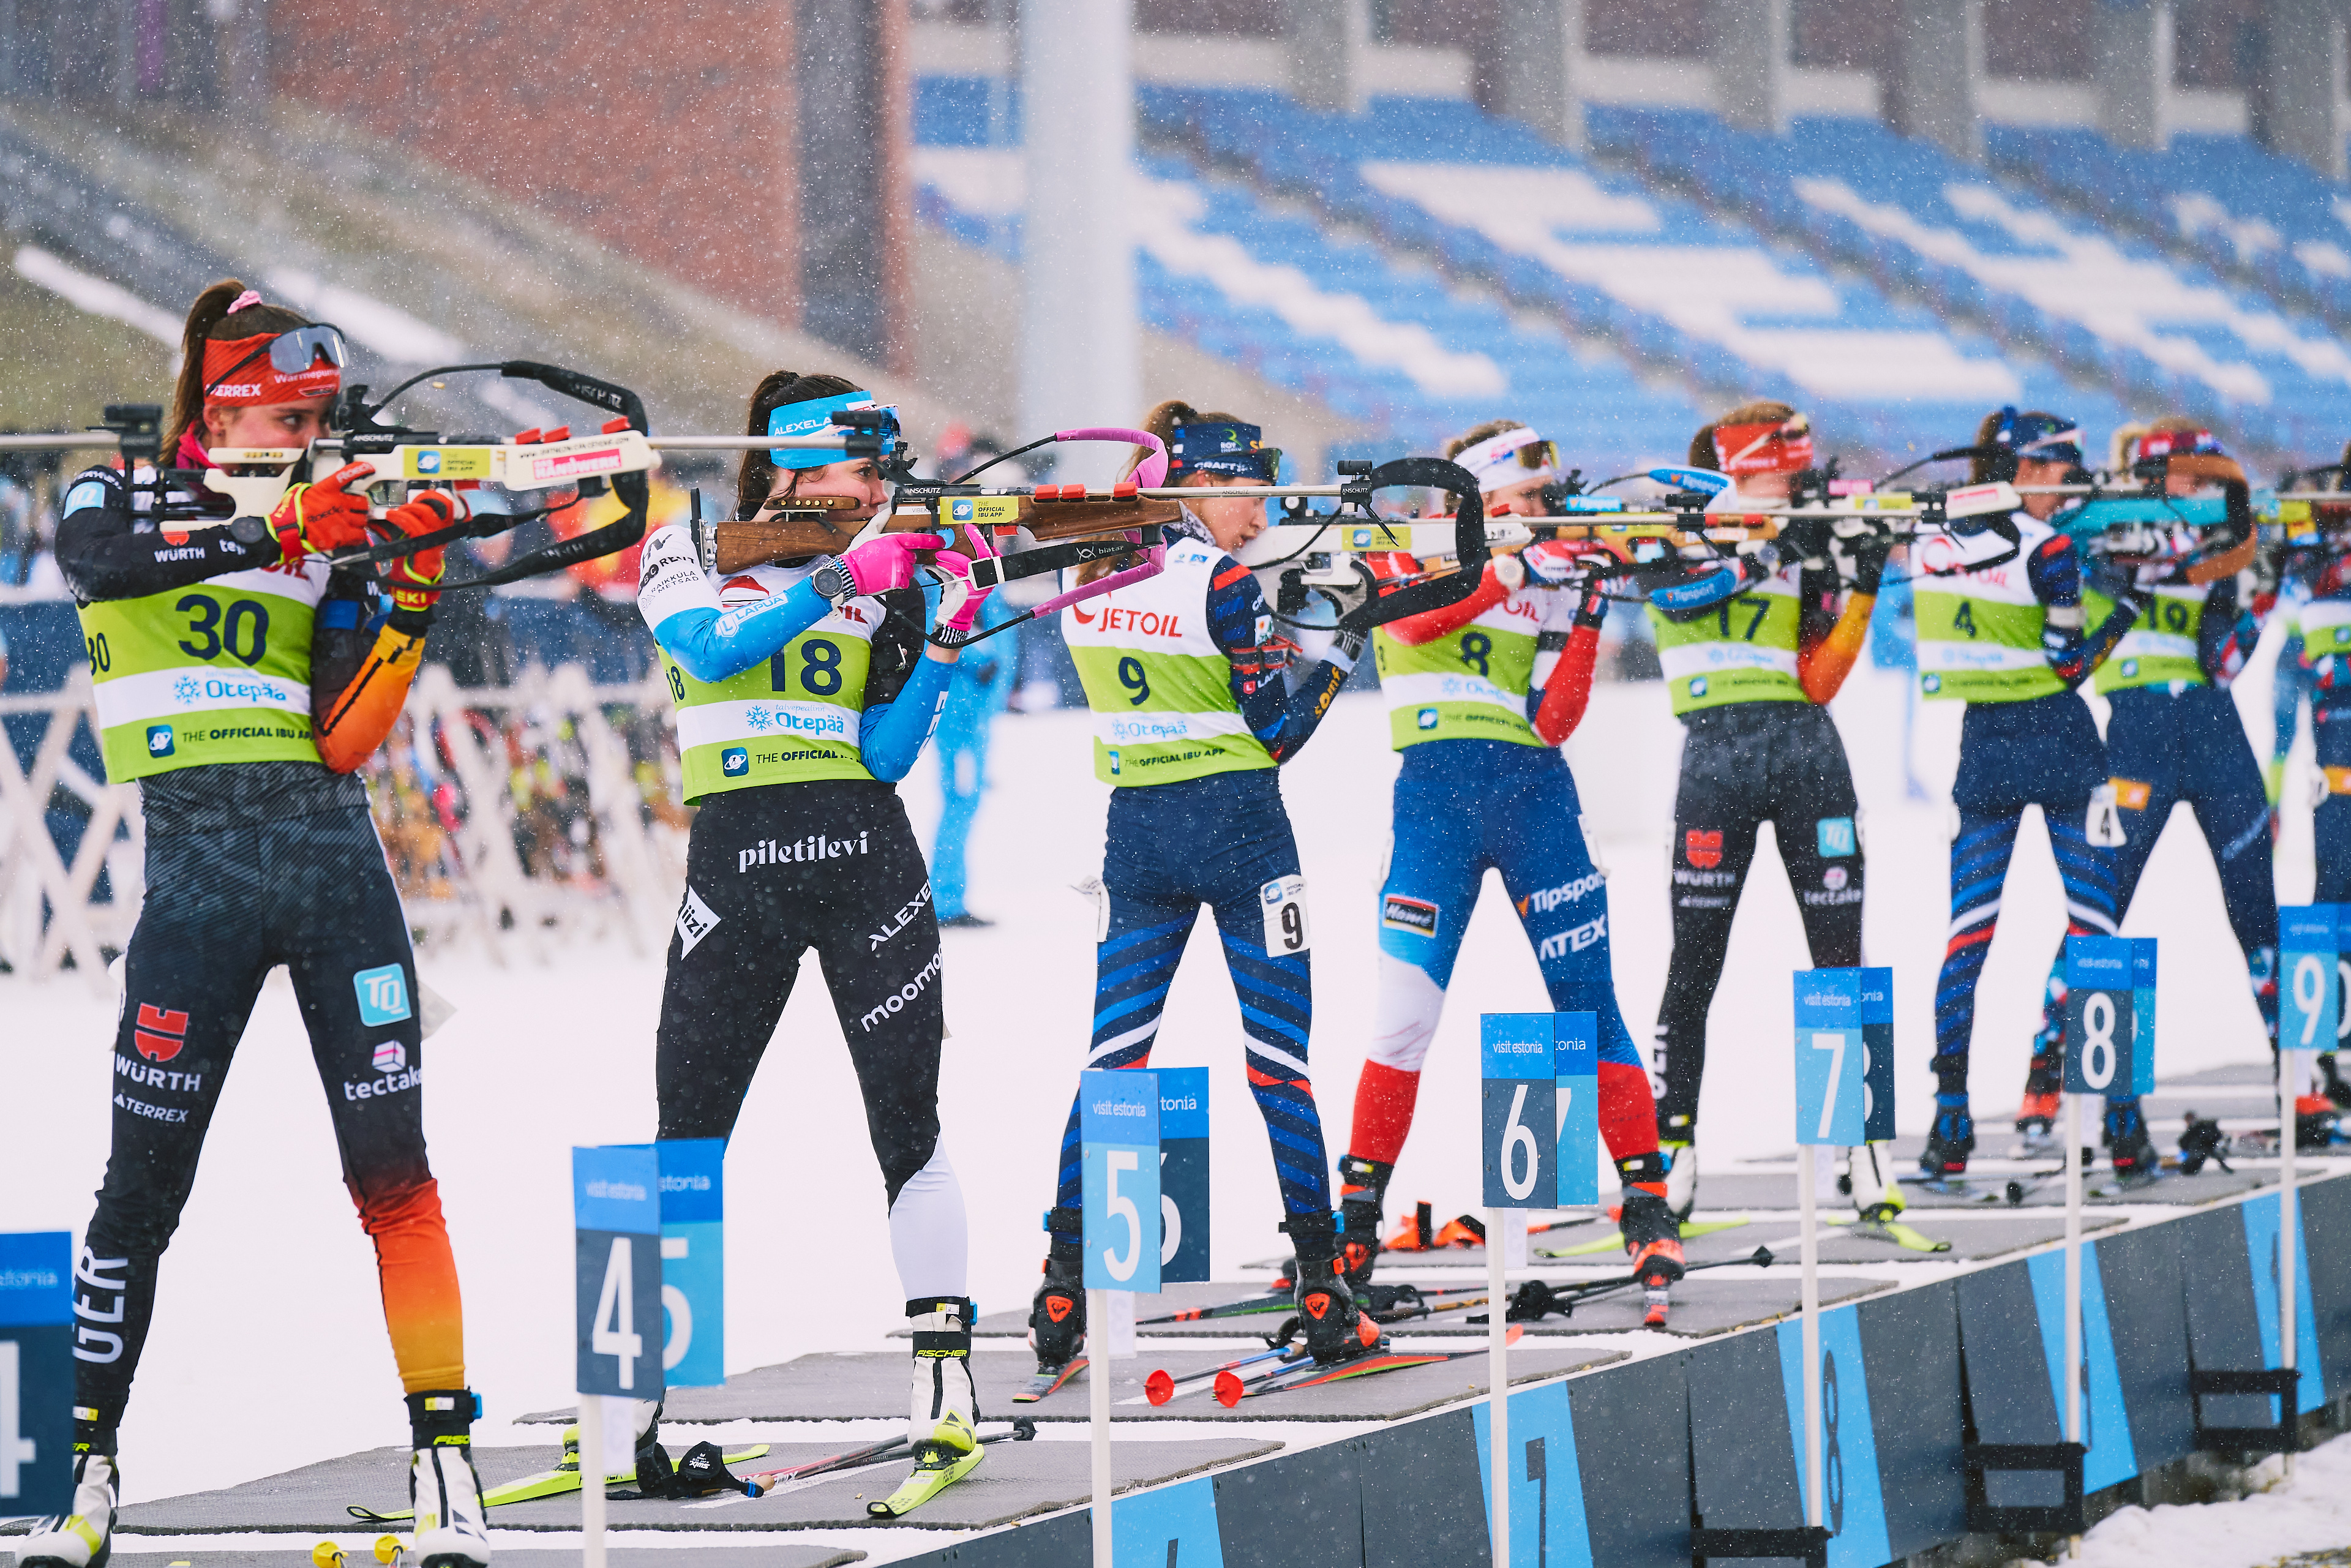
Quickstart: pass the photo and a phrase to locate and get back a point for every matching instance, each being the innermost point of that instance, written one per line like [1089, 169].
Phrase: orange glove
[321, 516]
[414, 578]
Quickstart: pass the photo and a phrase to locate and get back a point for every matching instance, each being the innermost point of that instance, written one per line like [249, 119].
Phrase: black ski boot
[1653, 1239]
[2132, 1151]
[1057, 1313]
[1335, 1331]
[1950, 1142]
[1362, 1194]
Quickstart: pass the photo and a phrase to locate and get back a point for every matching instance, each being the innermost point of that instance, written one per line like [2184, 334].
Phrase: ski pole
[1160, 1386]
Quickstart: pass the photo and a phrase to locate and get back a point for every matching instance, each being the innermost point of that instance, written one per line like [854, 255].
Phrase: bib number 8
[2098, 1040]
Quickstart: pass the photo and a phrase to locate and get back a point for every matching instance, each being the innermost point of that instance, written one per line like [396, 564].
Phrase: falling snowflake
[187, 689]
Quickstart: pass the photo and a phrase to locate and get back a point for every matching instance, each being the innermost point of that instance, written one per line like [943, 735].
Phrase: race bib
[1286, 931]
[2103, 827]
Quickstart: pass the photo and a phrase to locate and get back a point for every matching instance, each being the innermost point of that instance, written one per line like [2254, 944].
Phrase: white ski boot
[943, 1409]
[1876, 1196]
[450, 1529]
[1681, 1176]
[84, 1538]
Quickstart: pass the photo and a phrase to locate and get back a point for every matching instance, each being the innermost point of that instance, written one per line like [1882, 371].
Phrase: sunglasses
[291, 353]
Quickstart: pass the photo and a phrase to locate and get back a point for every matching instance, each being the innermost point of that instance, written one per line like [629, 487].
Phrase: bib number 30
[1286, 929]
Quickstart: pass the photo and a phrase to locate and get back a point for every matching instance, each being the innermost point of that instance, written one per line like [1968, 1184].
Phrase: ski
[760, 1483]
[1892, 1230]
[1376, 1298]
[1615, 1240]
[1049, 1379]
[1316, 1376]
[563, 1479]
[934, 1473]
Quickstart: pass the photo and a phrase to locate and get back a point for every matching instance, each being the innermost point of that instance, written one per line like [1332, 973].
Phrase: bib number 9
[1287, 932]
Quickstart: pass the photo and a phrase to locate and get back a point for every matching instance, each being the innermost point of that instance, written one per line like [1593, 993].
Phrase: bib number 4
[1287, 932]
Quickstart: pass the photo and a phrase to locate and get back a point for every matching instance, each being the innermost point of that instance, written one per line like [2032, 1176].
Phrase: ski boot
[945, 1407]
[1335, 1330]
[1057, 1313]
[1869, 1179]
[1950, 1142]
[2036, 1126]
[2332, 1083]
[1681, 1176]
[84, 1538]
[450, 1527]
[1652, 1238]
[2314, 1122]
[1363, 1192]
[2132, 1151]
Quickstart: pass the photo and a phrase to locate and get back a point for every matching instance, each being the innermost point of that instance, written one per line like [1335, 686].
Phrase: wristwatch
[248, 530]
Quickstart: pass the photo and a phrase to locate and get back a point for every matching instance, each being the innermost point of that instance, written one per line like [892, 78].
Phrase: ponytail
[210, 320]
[776, 389]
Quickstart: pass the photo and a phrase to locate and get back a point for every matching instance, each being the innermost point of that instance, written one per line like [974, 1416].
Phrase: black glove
[1869, 553]
[1593, 608]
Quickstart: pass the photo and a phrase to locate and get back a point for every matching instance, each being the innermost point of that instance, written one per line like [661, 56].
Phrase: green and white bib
[1979, 630]
[218, 671]
[2159, 650]
[1471, 684]
[1160, 688]
[792, 718]
[1742, 651]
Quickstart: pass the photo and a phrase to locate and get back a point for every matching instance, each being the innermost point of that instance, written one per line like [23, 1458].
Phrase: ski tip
[1159, 1388]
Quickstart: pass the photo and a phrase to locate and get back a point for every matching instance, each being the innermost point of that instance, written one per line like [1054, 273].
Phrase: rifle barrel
[64, 442]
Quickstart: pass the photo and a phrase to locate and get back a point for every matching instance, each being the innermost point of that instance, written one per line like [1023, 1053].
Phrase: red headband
[1771, 447]
[258, 381]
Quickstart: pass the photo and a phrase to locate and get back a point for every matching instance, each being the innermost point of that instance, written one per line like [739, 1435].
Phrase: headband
[814, 417]
[2178, 444]
[1773, 446]
[1512, 457]
[258, 381]
[1237, 449]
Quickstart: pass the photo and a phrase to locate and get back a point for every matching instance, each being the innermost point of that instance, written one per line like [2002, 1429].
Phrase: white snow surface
[2309, 1512]
[268, 1350]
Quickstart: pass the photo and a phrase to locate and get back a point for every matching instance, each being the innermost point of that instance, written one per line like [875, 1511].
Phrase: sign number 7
[1833, 1041]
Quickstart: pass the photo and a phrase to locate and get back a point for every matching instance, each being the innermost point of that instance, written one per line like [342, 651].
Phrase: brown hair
[1702, 454]
[1478, 432]
[1161, 422]
[209, 320]
[776, 389]
[1980, 470]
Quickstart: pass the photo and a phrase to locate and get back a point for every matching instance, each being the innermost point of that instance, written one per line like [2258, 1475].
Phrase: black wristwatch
[248, 530]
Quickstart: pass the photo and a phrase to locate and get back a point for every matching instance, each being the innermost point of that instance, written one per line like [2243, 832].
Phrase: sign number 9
[2098, 1040]
[2310, 994]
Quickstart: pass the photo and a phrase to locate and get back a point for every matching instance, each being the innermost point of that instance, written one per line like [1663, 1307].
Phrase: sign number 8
[2098, 1040]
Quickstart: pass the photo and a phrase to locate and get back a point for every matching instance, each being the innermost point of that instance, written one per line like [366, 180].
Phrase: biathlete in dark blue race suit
[2003, 628]
[2173, 735]
[1194, 713]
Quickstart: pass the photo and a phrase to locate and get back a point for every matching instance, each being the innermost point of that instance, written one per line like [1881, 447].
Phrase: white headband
[1495, 464]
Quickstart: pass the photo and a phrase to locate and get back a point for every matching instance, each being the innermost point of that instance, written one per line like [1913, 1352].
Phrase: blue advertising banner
[36, 1373]
[1118, 1126]
[616, 1208]
[1831, 1080]
[1575, 1082]
[694, 1261]
[1183, 1174]
[1520, 1126]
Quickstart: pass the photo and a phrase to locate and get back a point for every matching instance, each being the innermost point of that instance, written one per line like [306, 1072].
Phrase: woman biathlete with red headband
[1481, 695]
[1751, 657]
[240, 680]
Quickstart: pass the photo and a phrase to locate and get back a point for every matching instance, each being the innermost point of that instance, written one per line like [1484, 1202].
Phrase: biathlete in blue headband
[1193, 715]
[804, 692]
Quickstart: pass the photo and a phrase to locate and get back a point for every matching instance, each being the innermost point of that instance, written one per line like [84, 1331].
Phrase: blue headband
[814, 417]
[1236, 449]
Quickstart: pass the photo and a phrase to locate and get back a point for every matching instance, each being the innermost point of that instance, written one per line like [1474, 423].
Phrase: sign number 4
[616, 1307]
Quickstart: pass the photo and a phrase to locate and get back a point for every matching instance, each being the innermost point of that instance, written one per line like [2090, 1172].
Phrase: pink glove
[974, 595]
[879, 565]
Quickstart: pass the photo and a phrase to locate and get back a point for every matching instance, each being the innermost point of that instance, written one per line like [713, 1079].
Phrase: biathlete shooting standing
[1752, 653]
[2173, 735]
[1481, 695]
[804, 692]
[2002, 627]
[1193, 715]
[241, 682]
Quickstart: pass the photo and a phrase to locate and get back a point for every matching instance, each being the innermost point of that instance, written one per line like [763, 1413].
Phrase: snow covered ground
[269, 1351]
[2310, 1512]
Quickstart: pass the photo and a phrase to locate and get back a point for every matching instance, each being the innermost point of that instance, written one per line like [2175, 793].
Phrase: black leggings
[1743, 765]
[222, 908]
[771, 872]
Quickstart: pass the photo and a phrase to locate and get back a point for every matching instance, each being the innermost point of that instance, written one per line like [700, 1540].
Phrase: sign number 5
[1122, 1207]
